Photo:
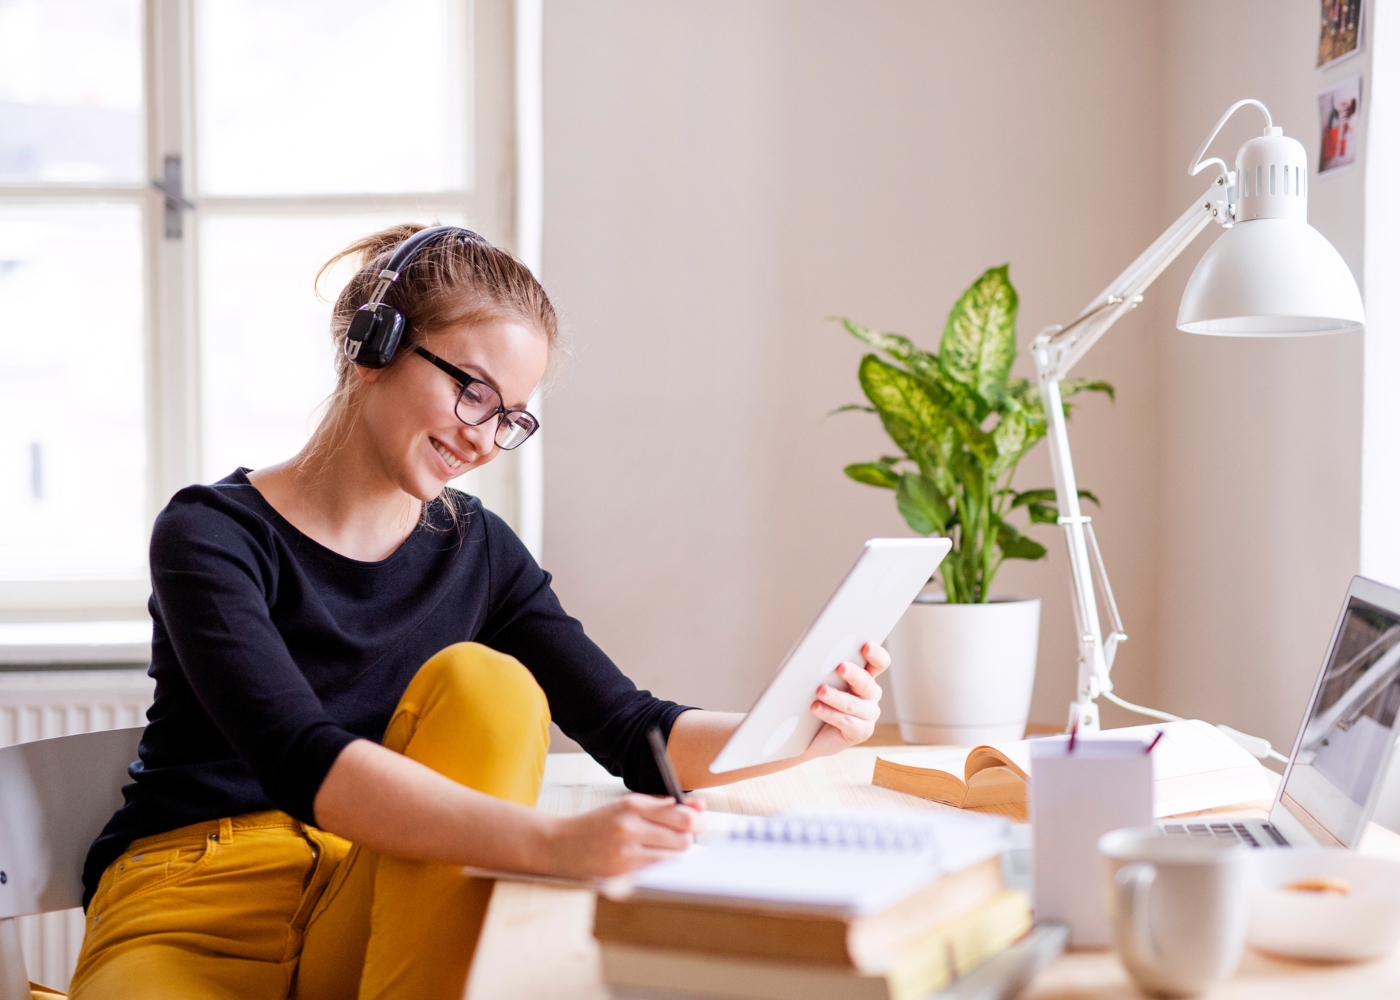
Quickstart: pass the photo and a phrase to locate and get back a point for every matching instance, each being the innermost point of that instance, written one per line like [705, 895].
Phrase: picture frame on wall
[1338, 110]
[1339, 36]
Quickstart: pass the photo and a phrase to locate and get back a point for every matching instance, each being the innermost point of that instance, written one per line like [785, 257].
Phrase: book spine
[721, 930]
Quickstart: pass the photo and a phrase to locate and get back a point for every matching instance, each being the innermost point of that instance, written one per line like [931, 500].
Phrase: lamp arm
[1056, 349]
[1067, 344]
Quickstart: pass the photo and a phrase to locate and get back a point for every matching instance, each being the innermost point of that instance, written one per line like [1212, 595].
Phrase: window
[172, 175]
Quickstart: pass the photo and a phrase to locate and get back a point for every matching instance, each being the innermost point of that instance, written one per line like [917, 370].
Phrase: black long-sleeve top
[270, 653]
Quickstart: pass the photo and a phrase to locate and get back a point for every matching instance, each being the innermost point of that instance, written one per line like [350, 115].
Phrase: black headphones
[376, 328]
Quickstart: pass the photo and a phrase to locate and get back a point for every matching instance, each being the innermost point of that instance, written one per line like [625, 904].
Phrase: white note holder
[1076, 796]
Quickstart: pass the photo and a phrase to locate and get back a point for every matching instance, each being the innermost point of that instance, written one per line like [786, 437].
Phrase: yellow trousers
[263, 906]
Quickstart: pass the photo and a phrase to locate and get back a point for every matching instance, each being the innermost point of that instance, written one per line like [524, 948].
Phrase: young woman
[355, 671]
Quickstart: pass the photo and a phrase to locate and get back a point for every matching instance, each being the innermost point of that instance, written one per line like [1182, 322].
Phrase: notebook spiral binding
[831, 833]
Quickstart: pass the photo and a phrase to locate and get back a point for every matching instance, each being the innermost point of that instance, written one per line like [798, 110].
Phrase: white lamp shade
[1269, 278]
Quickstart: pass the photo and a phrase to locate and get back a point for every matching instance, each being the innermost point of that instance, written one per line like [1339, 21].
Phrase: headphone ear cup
[374, 335]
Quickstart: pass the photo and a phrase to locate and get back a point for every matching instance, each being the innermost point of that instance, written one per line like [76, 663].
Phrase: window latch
[172, 186]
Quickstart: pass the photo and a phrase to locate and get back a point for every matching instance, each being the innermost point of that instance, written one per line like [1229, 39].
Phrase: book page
[950, 762]
[1016, 756]
[1194, 747]
[996, 786]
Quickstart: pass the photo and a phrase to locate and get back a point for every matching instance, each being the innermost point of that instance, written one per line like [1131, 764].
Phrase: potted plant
[965, 663]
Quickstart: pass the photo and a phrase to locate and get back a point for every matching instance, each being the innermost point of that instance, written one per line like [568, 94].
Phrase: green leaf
[1013, 437]
[1015, 545]
[1023, 548]
[1074, 386]
[1046, 496]
[851, 407]
[900, 348]
[873, 474]
[1032, 496]
[923, 505]
[1043, 513]
[979, 339]
[911, 418]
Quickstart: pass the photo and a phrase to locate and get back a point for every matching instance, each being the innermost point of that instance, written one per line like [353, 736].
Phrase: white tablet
[874, 595]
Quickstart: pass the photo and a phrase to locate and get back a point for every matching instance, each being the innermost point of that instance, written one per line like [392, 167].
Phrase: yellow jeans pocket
[238, 896]
[140, 871]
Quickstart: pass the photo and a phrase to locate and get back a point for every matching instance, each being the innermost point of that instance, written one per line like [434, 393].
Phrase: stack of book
[817, 904]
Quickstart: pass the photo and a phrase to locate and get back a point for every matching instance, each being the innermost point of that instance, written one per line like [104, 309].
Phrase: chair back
[55, 797]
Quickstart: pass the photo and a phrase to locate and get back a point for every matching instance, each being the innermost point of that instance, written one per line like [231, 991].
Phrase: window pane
[70, 91]
[265, 348]
[72, 489]
[330, 96]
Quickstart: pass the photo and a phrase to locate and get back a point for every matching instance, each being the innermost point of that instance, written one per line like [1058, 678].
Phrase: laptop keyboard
[1236, 832]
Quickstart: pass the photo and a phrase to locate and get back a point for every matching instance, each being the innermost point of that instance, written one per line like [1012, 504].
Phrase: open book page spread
[843, 861]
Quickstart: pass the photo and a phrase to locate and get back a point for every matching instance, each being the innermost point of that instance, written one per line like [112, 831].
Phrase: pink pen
[1155, 740]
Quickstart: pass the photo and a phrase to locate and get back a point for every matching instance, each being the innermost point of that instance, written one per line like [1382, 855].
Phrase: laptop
[1336, 771]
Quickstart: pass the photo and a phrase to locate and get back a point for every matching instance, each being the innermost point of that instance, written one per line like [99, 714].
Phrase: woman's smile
[453, 461]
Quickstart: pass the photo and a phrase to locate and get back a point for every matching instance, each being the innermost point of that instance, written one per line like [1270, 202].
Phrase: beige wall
[1380, 476]
[1261, 456]
[719, 178]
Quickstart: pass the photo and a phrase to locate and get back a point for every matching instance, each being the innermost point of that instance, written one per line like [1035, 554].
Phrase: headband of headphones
[377, 328]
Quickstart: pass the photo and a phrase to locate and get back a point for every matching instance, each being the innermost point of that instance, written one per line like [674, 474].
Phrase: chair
[55, 797]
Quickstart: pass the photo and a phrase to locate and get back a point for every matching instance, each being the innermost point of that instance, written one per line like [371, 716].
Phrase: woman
[355, 671]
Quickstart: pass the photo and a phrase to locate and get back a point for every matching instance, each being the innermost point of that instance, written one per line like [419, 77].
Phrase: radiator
[40, 705]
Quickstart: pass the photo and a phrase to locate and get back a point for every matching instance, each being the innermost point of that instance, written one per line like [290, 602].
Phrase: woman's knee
[470, 707]
[482, 679]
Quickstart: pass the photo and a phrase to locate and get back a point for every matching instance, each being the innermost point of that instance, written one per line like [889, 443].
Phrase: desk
[537, 942]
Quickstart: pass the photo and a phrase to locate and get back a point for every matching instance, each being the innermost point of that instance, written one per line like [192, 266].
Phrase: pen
[663, 764]
[1155, 740]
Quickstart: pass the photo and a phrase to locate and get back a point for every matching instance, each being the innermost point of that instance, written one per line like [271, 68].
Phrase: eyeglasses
[480, 401]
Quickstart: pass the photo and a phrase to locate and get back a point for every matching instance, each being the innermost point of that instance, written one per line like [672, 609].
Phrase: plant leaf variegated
[962, 423]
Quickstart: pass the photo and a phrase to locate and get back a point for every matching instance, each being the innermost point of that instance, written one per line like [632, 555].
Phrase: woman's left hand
[850, 716]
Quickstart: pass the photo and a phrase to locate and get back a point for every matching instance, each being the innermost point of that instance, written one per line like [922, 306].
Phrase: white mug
[1179, 907]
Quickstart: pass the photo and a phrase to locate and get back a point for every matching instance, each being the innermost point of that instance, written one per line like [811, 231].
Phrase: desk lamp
[1270, 274]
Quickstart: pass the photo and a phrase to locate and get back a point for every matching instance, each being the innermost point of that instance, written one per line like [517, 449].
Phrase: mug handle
[1133, 884]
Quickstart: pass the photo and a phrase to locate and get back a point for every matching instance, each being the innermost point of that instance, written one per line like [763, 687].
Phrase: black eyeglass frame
[467, 381]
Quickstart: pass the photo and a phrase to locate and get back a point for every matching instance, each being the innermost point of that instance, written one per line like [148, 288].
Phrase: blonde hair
[451, 281]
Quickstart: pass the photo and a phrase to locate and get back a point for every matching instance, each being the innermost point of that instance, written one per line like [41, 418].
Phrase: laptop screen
[1350, 729]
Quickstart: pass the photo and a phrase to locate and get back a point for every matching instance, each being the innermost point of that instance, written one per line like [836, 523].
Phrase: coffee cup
[1179, 907]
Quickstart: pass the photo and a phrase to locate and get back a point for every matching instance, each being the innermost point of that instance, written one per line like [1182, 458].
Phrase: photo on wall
[1337, 110]
[1340, 34]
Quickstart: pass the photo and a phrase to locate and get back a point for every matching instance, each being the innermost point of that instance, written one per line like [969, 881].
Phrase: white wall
[1261, 454]
[721, 177]
[1380, 463]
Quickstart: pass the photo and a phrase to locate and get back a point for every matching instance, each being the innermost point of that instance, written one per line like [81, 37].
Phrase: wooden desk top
[537, 943]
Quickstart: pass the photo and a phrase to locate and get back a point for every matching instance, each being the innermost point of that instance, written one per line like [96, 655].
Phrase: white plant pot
[963, 673]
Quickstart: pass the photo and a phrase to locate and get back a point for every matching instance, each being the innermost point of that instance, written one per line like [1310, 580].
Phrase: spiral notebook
[845, 862]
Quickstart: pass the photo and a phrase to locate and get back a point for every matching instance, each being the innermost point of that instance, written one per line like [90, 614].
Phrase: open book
[1194, 767]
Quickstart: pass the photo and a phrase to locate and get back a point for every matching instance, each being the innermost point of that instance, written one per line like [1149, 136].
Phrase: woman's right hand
[620, 837]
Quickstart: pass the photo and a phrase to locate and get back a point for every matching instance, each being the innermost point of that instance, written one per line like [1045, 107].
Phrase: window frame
[499, 195]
